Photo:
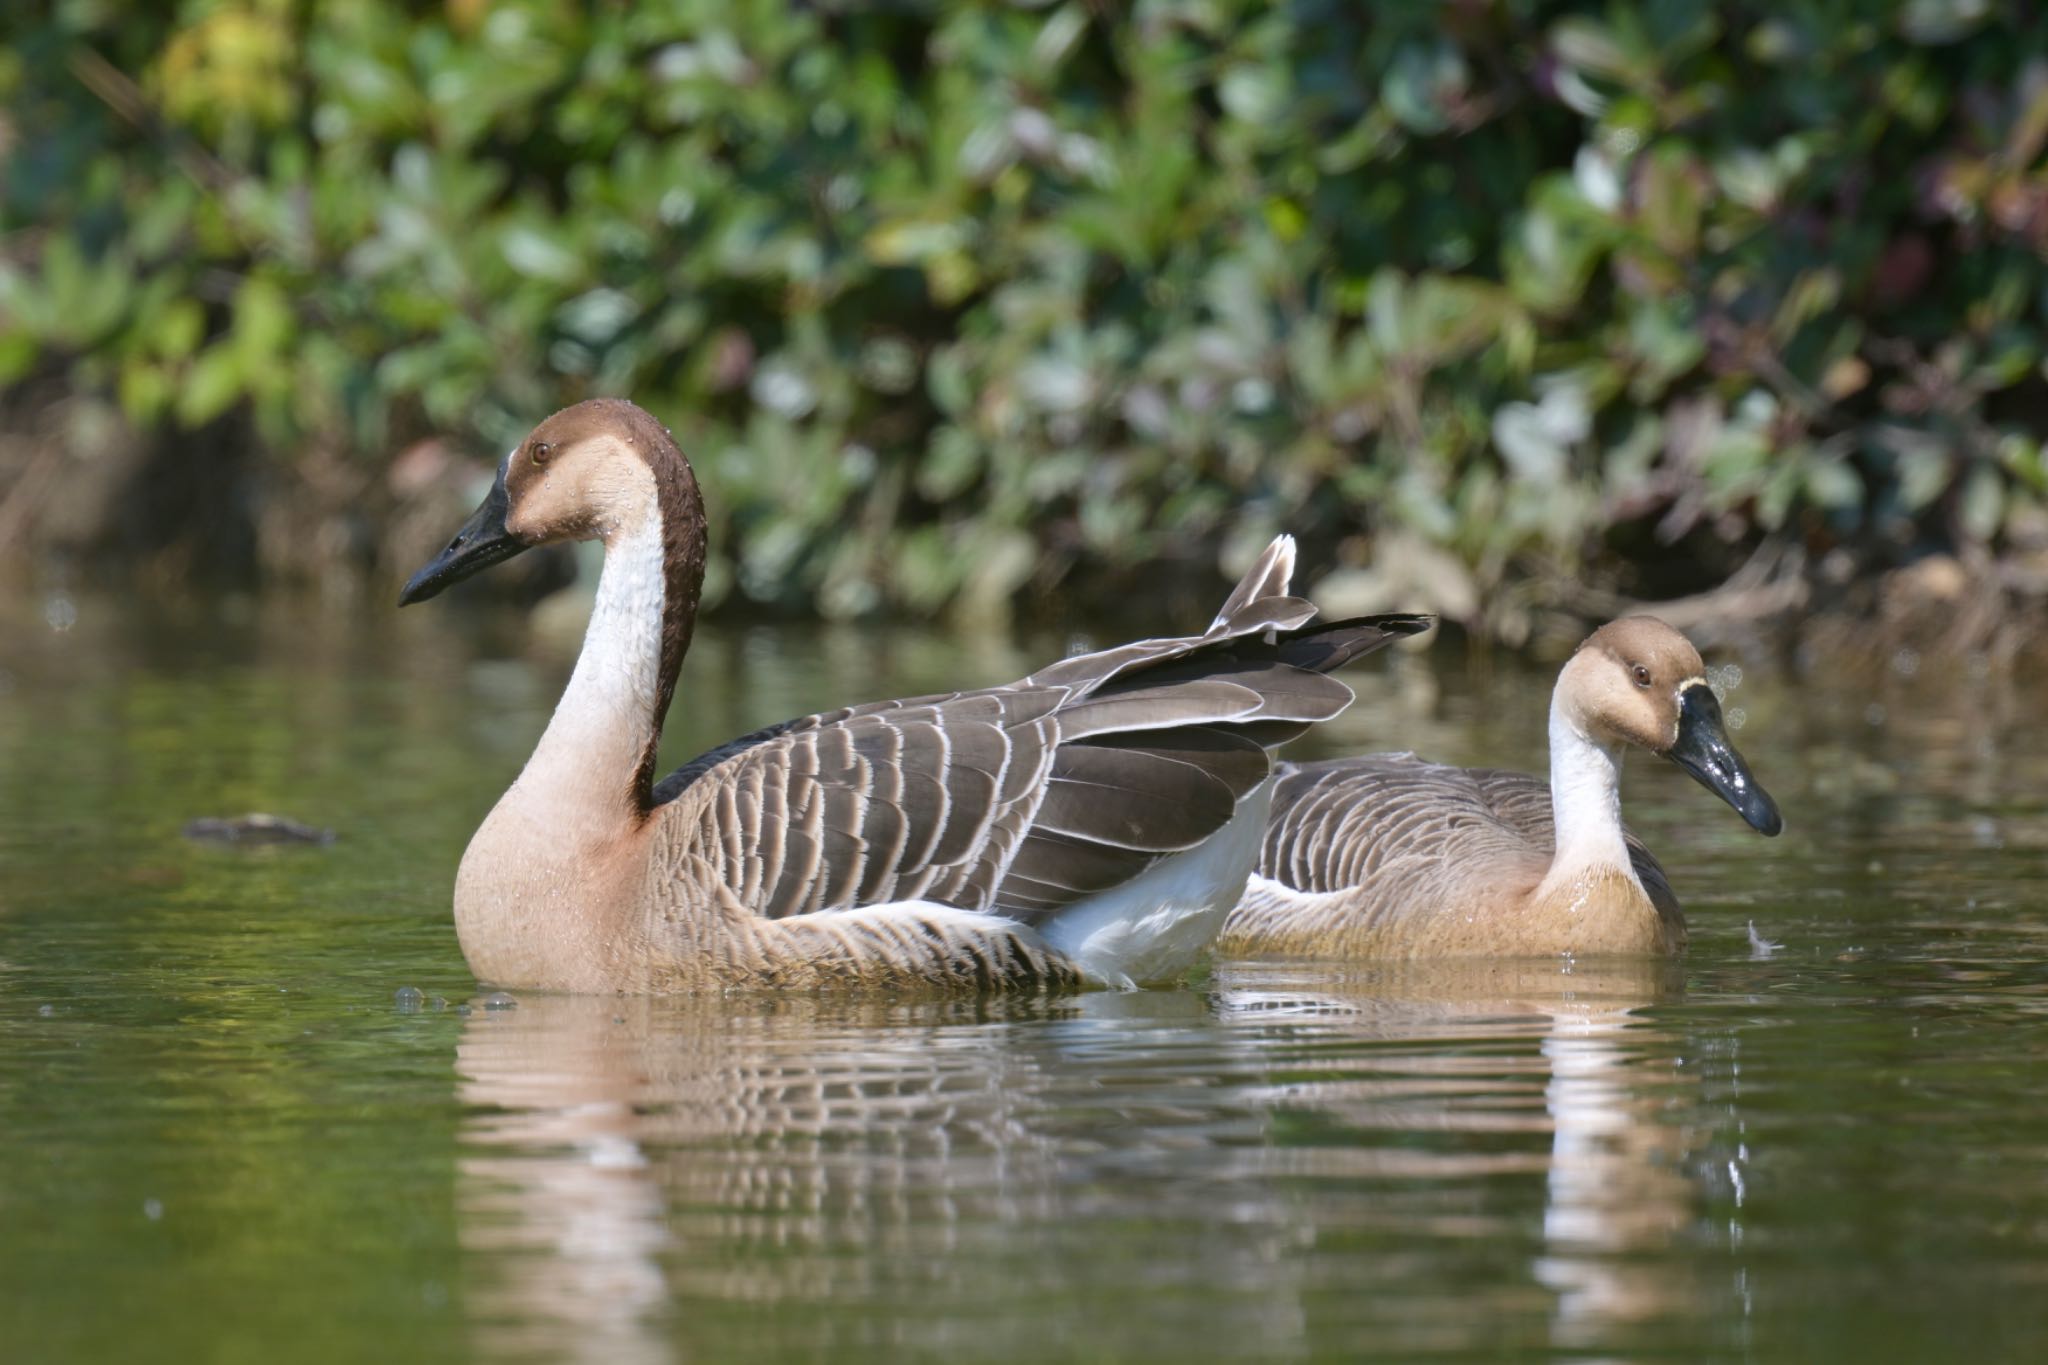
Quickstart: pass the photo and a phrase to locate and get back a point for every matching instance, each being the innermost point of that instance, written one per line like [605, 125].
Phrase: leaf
[179, 329]
[538, 255]
[951, 463]
[1924, 472]
[212, 384]
[1981, 510]
[596, 316]
[263, 325]
[1552, 251]
[1834, 485]
[1670, 198]
[1423, 84]
[145, 391]
[1253, 93]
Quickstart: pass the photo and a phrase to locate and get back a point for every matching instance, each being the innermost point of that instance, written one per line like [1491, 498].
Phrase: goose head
[590, 472]
[1637, 681]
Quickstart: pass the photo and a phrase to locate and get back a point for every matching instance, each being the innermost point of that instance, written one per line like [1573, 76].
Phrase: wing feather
[1157, 802]
[1268, 577]
[1025, 798]
[1393, 822]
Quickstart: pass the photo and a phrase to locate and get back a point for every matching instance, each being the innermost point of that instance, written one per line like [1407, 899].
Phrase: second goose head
[1637, 681]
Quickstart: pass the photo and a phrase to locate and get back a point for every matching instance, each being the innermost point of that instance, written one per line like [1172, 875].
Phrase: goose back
[1021, 800]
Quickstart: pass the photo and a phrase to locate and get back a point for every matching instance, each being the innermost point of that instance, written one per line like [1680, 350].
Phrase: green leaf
[18, 353]
[212, 384]
[179, 329]
[1924, 472]
[1833, 484]
[1423, 84]
[1671, 198]
[263, 325]
[952, 462]
[145, 392]
[1982, 507]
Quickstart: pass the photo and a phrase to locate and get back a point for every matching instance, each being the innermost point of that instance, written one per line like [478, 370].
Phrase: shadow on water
[220, 1140]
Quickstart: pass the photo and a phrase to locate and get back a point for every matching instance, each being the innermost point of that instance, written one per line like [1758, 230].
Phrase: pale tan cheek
[1659, 726]
[537, 519]
[521, 522]
[1645, 725]
[623, 484]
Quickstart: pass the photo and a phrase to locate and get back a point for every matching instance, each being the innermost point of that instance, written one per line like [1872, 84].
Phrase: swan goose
[1389, 856]
[1089, 824]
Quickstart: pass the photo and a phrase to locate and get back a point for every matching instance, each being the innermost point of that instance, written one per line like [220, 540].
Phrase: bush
[944, 297]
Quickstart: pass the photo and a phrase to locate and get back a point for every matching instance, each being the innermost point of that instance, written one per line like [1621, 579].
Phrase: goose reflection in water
[611, 1134]
[1618, 1182]
[1305, 1161]
[638, 1174]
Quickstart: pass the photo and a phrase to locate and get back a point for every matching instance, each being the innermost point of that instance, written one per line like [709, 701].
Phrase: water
[225, 1135]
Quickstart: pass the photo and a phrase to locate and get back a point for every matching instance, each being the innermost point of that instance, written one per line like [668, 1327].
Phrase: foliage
[940, 296]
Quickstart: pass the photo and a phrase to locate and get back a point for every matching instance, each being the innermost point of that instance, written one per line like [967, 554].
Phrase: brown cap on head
[1655, 655]
[581, 469]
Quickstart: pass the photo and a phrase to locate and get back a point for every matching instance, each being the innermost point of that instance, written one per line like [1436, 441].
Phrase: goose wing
[1388, 820]
[1023, 798]
[1397, 822]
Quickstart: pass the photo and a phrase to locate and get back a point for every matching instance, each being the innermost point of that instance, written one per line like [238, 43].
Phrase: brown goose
[1091, 823]
[1388, 856]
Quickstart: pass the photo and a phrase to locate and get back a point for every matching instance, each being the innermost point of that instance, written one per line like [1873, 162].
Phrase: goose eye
[541, 451]
[1642, 676]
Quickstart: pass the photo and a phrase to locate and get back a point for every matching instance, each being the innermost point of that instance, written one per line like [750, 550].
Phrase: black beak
[1703, 750]
[482, 542]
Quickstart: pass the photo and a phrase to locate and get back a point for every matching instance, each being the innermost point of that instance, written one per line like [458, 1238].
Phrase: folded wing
[1397, 823]
[1029, 797]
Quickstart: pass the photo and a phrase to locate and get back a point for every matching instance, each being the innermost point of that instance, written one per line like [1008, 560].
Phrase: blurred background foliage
[1488, 302]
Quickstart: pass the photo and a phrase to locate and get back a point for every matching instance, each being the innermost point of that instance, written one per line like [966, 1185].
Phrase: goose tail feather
[1328, 646]
[1268, 576]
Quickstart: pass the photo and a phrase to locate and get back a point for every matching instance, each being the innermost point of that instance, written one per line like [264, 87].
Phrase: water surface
[223, 1138]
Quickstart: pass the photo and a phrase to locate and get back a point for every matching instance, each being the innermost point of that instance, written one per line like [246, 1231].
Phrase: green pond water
[223, 1137]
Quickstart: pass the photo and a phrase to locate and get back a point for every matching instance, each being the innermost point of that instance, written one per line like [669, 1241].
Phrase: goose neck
[594, 764]
[1585, 793]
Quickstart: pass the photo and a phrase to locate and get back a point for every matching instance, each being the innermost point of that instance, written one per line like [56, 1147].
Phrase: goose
[1389, 856]
[1088, 825]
